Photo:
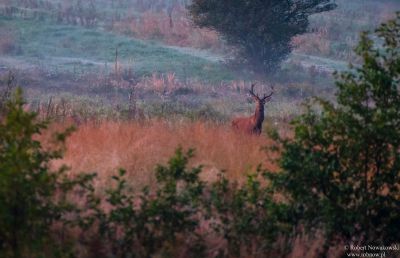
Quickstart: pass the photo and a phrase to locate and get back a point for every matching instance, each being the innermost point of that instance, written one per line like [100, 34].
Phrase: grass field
[65, 48]
[139, 147]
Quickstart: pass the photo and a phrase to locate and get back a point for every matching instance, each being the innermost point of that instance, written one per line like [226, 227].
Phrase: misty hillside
[71, 47]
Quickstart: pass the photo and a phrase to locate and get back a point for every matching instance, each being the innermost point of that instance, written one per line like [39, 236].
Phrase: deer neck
[259, 115]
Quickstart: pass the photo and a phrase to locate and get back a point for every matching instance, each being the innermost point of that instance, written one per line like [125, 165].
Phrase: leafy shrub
[248, 217]
[340, 171]
[151, 223]
[167, 219]
[33, 197]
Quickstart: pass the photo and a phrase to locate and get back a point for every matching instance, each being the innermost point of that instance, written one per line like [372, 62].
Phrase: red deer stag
[253, 124]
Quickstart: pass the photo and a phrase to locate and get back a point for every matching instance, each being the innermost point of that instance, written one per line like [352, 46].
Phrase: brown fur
[253, 124]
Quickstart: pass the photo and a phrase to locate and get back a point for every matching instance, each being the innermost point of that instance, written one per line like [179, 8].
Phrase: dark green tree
[341, 170]
[33, 197]
[260, 30]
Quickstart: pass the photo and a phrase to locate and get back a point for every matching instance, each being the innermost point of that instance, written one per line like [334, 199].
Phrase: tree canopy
[260, 30]
[341, 170]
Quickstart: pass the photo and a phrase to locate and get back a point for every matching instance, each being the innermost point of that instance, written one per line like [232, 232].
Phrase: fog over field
[90, 51]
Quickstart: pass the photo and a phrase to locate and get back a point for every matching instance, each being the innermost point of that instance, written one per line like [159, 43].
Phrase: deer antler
[267, 97]
[251, 91]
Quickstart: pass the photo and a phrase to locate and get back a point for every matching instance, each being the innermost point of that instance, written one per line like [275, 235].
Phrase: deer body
[252, 124]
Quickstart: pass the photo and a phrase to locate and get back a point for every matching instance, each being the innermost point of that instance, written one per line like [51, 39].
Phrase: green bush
[33, 197]
[248, 217]
[341, 170]
[167, 219]
[157, 221]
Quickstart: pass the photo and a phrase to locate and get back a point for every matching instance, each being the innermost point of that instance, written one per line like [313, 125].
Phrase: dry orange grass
[177, 30]
[139, 147]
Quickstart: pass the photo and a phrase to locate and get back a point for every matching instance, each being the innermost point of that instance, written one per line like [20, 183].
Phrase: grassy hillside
[66, 47]
[334, 34]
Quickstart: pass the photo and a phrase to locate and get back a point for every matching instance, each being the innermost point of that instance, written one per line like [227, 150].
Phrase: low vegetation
[138, 147]
[340, 170]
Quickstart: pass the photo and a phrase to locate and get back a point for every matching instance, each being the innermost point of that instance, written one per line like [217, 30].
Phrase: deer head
[253, 124]
[262, 100]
